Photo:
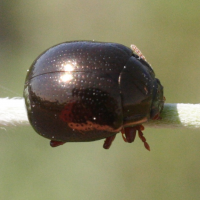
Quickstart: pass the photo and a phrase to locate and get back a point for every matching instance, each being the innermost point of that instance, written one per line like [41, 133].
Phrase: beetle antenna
[137, 51]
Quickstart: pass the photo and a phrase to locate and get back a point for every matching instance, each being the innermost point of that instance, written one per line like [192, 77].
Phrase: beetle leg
[157, 116]
[54, 143]
[140, 128]
[108, 141]
[123, 133]
[130, 133]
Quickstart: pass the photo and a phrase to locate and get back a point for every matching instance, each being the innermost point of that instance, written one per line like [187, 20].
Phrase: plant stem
[13, 113]
[177, 115]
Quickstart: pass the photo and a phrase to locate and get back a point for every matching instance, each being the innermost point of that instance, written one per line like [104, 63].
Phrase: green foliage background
[168, 33]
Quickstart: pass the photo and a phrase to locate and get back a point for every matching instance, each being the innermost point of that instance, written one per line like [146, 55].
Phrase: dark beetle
[84, 91]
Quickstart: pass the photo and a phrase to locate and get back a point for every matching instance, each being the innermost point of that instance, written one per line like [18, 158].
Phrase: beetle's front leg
[141, 136]
[129, 133]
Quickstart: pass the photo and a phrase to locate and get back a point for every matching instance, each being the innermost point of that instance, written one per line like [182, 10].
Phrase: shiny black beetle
[84, 91]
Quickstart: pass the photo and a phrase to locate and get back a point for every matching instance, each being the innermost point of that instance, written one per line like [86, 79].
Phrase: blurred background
[167, 32]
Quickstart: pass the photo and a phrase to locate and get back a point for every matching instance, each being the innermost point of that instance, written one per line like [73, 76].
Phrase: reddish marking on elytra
[66, 112]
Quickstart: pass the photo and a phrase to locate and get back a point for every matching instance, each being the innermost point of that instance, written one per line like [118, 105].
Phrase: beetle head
[157, 100]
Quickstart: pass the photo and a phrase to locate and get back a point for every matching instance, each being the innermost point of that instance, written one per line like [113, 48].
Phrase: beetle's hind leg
[108, 141]
[54, 143]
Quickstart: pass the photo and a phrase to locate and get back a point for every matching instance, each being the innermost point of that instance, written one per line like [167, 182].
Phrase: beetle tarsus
[108, 141]
[141, 136]
[54, 143]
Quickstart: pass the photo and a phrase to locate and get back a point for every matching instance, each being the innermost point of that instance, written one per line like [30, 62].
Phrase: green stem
[177, 115]
[13, 113]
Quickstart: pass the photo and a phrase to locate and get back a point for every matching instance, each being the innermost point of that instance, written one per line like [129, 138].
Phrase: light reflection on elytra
[68, 68]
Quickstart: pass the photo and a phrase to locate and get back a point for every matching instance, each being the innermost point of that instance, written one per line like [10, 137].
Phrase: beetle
[83, 91]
